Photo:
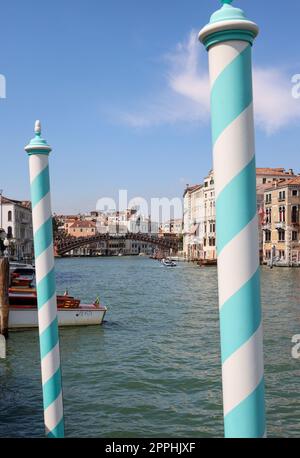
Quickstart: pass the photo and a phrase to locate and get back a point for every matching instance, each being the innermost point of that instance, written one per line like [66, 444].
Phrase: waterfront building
[199, 231]
[193, 222]
[16, 221]
[209, 221]
[281, 222]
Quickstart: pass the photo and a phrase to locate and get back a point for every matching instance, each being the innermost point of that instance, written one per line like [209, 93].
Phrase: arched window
[9, 232]
[9, 216]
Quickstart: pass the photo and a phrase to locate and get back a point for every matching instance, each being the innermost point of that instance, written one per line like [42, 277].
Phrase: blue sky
[120, 88]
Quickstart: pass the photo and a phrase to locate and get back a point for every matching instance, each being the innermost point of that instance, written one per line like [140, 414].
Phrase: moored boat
[21, 274]
[23, 312]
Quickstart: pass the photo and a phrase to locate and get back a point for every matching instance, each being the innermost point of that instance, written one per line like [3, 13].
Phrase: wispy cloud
[185, 96]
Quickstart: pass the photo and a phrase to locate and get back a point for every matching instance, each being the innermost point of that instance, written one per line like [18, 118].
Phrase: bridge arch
[66, 245]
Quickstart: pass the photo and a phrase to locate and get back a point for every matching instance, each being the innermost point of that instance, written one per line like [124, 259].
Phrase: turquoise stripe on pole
[38, 151]
[228, 38]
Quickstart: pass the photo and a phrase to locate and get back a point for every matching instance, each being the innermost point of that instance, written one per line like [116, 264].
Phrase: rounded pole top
[228, 23]
[38, 145]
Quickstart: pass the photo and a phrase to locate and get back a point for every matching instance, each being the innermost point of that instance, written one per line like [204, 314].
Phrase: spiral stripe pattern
[46, 293]
[237, 239]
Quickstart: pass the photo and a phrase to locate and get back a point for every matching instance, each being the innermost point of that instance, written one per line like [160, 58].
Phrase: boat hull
[26, 318]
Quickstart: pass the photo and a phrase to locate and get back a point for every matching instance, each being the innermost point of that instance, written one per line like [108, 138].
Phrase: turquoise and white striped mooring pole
[38, 151]
[228, 38]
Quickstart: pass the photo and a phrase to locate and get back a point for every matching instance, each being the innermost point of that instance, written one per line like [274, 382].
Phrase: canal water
[153, 369]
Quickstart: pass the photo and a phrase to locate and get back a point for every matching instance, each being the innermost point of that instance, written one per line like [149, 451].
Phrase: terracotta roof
[82, 225]
[284, 183]
[273, 171]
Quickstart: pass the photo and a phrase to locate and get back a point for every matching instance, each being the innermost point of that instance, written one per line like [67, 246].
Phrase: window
[268, 215]
[268, 198]
[282, 195]
[206, 184]
[295, 236]
[268, 236]
[294, 192]
[264, 180]
[9, 232]
[204, 242]
[268, 254]
[282, 214]
[294, 214]
[281, 235]
[9, 216]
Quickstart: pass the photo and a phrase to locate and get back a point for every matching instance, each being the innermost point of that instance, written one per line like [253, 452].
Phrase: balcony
[280, 225]
[267, 227]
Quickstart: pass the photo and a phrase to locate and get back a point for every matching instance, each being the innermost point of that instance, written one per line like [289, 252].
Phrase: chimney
[291, 172]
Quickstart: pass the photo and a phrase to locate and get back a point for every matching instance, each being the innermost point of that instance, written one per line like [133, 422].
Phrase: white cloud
[185, 98]
[274, 105]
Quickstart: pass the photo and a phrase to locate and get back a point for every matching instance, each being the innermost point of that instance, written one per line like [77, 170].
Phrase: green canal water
[153, 369]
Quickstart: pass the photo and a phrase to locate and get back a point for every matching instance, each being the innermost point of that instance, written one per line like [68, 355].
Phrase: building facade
[193, 222]
[281, 223]
[199, 232]
[16, 221]
[209, 223]
[81, 228]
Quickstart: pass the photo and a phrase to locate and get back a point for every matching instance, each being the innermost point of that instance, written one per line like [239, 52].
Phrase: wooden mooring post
[4, 305]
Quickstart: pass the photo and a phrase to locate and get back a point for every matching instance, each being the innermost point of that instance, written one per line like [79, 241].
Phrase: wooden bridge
[65, 245]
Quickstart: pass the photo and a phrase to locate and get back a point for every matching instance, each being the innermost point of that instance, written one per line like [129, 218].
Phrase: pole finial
[37, 127]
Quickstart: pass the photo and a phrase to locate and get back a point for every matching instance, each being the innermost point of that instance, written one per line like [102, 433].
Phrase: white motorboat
[23, 312]
[168, 263]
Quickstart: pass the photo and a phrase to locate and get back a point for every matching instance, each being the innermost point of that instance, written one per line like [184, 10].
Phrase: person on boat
[97, 301]
[66, 293]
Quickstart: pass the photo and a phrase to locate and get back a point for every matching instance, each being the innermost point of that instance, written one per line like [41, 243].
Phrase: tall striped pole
[38, 151]
[228, 38]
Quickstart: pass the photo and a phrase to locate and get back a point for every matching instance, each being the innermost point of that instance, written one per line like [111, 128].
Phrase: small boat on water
[21, 274]
[168, 263]
[23, 312]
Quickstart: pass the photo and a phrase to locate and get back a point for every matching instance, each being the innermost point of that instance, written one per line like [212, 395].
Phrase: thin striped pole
[38, 151]
[228, 39]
